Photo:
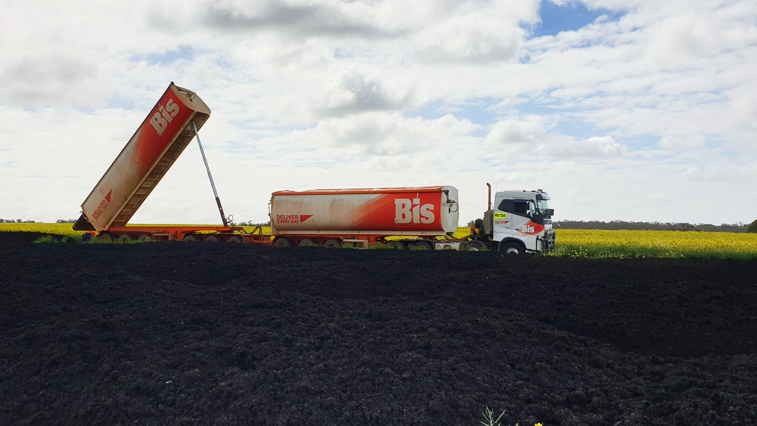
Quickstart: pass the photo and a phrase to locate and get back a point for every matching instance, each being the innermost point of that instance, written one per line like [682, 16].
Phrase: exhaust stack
[490, 197]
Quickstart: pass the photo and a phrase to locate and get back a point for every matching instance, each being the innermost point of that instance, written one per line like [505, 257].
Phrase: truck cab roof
[523, 194]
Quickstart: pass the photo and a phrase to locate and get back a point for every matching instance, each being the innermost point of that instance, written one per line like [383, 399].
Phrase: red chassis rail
[232, 234]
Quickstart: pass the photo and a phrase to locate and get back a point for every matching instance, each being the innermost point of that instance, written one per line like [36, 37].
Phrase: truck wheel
[105, 236]
[282, 242]
[332, 244]
[211, 238]
[144, 237]
[513, 249]
[307, 242]
[475, 246]
[395, 245]
[124, 238]
[234, 240]
[189, 238]
[422, 245]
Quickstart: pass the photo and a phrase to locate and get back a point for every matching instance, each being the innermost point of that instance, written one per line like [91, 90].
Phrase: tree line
[615, 225]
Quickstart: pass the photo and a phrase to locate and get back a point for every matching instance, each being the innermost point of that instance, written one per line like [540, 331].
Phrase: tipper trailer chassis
[422, 217]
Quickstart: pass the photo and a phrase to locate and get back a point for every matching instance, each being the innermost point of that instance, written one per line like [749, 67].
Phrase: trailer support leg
[218, 200]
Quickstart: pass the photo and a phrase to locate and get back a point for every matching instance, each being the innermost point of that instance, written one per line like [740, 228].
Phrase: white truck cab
[525, 218]
[518, 222]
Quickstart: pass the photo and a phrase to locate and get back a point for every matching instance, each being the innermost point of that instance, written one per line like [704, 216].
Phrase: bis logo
[161, 118]
[406, 211]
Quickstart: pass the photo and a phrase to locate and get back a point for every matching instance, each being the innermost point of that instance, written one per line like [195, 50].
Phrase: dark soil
[225, 334]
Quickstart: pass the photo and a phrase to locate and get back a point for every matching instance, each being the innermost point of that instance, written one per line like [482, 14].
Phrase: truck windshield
[542, 206]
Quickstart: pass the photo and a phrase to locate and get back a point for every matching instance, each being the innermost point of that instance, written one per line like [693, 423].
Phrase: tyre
[513, 249]
[307, 242]
[189, 238]
[105, 236]
[124, 238]
[397, 245]
[282, 242]
[234, 240]
[144, 237]
[211, 238]
[422, 245]
[333, 243]
[475, 246]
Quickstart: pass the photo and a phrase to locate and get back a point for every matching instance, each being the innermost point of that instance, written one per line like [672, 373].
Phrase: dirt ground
[225, 334]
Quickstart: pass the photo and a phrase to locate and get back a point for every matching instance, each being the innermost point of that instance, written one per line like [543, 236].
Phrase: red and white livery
[145, 159]
[519, 222]
[420, 211]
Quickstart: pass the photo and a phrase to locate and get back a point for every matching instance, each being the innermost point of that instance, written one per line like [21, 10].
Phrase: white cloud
[686, 143]
[381, 134]
[595, 146]
[528, 138]
[723, 172]
[373, 93]
[355, 93]
[512, 131]
[515, 178]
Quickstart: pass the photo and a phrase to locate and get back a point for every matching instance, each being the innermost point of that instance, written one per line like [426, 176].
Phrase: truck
[520, 223]
[423, 218]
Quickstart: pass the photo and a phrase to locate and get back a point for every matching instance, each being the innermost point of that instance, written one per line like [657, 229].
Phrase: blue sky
[569, 16]
[608, 105]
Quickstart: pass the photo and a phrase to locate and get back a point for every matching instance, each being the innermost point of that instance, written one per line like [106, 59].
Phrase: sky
[635, 110]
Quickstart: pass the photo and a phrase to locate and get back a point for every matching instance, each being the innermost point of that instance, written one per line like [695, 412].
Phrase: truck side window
[507, 206]
[521, 207]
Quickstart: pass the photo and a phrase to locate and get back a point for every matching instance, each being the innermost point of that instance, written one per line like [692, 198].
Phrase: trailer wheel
[124, 238]
[189, 238]
[394, 244]
[282, 242]
[422, 245]
[211, 238]
[475, 246]
[144, 237]
[234, 240]
[333, 243]
[513, 250]
[105, 236]
[307, 242]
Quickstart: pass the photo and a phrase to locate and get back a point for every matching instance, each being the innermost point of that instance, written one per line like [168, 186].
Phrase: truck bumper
[547, 243]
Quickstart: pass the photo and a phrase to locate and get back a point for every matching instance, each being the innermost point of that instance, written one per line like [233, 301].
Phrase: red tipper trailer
[149, 154]
[331, 217]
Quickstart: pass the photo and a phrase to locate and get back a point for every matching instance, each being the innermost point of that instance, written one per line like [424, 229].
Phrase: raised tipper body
[171, 125]
[144, 161]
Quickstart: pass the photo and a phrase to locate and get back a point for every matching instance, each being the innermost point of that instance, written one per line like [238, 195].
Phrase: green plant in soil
[489, 419]
[49, 239]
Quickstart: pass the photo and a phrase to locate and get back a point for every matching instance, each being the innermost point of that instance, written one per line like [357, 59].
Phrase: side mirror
[550, 212]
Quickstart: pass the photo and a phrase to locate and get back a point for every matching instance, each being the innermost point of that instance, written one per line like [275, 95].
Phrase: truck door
[522, 226]
[503, 219]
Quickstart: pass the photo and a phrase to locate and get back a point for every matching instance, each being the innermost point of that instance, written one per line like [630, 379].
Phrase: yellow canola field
[45, 228]
[570, 242]
[66, 228]
[668, 244]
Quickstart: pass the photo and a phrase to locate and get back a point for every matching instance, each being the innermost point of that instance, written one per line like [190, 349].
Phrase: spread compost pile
[230, 334]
